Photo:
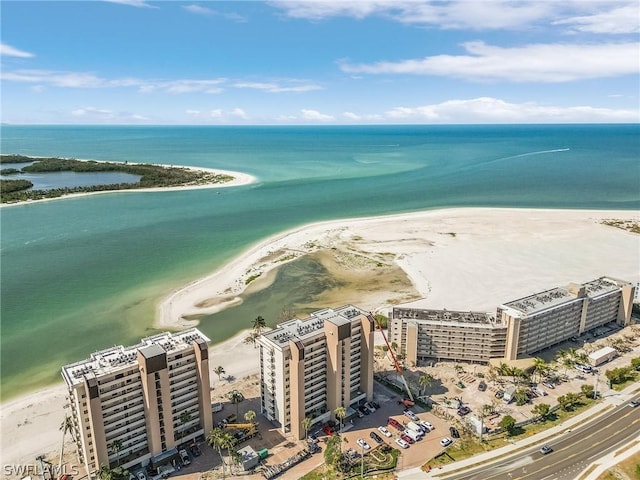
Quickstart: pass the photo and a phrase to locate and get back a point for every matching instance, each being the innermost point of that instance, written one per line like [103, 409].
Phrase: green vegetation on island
[151, 176]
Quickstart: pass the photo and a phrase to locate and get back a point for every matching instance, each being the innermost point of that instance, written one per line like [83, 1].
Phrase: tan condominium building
[309, 367]
[135, 405]
[520, 328]
[425, 334]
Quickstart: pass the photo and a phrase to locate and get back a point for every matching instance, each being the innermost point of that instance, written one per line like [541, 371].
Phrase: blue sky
[325, 62]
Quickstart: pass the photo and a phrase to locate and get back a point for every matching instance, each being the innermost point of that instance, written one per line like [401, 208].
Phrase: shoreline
[239, 179]
[222, 288]
[456, 258]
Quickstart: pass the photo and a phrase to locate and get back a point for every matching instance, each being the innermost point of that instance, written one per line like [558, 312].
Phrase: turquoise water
[82, 274]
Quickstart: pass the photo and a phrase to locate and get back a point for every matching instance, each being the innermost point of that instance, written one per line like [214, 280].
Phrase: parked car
[446, 441]
[384, 431]
[411, 415]
[328, 430]
[195, 450]
[462, 411]
[407, 438]
[454, 432]
[499, 394]
[375, 404]
[482, 386]
[376, 437]
[141, 475]
[363, 444]
[546, 449]
[548, 385]
[539, 391]
[583, 368]
[370, 406]
[184, 456]
[402, 443]
[363, 410]
[426, 425]
[395, 424]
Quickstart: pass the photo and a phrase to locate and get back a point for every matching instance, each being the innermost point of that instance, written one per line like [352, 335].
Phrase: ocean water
[81, 274]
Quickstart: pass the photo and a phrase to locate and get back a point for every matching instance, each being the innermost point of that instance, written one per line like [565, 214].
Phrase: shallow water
[82, 274]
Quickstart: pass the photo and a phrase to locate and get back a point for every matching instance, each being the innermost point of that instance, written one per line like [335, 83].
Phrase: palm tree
[219, 370]
[116, 446]
[250, 416]
[236, 397]
[540, 367]
[259, 324]
[306, 424]
[66, 426]
[185, 417]
[217, 439]
[340, 413]
[425, 381]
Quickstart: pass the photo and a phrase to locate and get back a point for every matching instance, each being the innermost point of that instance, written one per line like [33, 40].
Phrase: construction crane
[393, 356]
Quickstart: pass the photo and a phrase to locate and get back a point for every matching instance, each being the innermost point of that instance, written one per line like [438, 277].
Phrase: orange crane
[395, 360]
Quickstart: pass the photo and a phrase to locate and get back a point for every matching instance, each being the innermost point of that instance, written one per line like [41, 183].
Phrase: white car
[402, 443]
[184, 456]
[445, 442]
[384, 431]
[426, 425]
[141, 475]
[363, 444]
[411, 415]
[539, 391]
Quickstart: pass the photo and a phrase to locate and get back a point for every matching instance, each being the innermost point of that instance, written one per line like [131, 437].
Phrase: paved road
[572, 451]
[599, 437]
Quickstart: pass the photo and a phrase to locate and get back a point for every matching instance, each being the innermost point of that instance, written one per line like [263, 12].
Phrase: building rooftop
[540, 301]
[303, 329]
[602, 285]
[444, 315]
[118, 357]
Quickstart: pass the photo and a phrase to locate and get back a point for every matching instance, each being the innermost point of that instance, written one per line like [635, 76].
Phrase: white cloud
[89, 80]
[93, 114]
[547, 63]
[217, 114]
[494, 110]
[133, 3]
[618, 20]
[199, 10]
[362, 118]
[476, 15]
[9, 51]
[316, 116]
[275, 88]
[238, 113]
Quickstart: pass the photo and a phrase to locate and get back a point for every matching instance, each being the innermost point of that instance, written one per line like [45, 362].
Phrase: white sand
[239, 179]
[496, 255]
[466, 259]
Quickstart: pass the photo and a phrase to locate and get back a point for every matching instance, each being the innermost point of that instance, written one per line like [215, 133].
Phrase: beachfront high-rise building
[520, 328]
[309, 367]
[134, 405]
[553, 316]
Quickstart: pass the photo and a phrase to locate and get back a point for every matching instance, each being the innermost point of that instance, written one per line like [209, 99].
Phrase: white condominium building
[311, 366]
[520, 328]
[547, 318]
[129, 403]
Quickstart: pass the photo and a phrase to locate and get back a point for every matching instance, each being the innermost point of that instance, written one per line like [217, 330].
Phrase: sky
[319, 62]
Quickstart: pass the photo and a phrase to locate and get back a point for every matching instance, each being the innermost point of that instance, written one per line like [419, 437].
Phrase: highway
[573, 451]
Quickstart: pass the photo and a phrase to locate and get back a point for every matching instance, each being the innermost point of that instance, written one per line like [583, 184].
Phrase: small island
[151, 176]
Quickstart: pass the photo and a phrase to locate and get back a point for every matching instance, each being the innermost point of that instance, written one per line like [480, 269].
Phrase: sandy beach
[239, 179]
[467, 259]
[464, 259]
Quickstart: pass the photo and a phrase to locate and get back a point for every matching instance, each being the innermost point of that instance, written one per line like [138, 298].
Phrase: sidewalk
[611, 398]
